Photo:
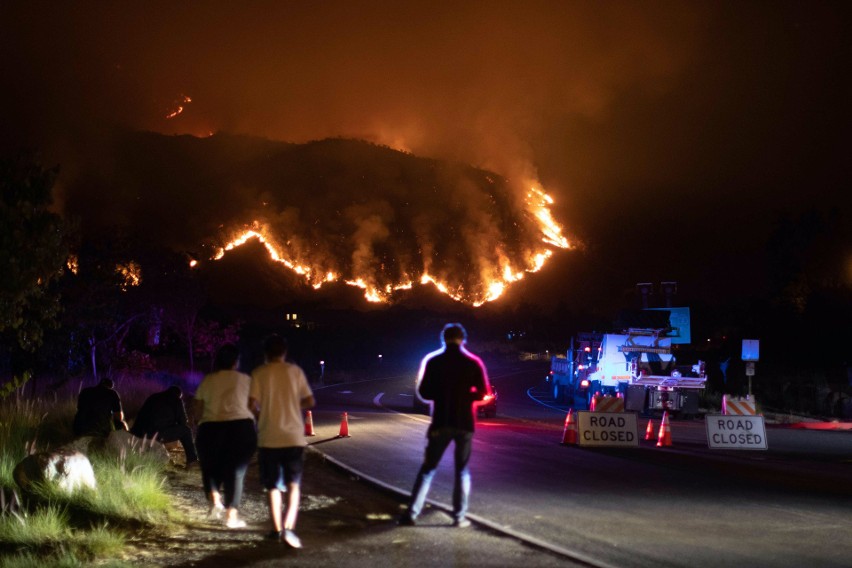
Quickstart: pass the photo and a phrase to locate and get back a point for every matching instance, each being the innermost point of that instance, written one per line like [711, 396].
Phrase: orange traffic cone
[664, 438]
[344, 426]
[569, 435]
[649, 431]
[594, 401]
[309, 424]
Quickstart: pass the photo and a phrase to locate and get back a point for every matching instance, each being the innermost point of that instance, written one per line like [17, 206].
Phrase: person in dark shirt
[99, 411]
[453, 379]
[164, 415]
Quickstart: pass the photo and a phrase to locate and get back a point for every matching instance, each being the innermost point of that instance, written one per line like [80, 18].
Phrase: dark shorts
[280, 466]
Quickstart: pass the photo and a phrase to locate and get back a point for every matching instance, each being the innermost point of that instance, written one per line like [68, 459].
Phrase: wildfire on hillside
[131, 274]
[475, 285]
[179, 107]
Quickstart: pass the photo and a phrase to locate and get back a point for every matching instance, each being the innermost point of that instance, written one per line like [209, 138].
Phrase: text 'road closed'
[607, 429]
[735, 432]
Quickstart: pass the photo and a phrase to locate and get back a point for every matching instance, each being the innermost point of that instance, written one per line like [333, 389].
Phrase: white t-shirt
[279, 388]
[225, 396]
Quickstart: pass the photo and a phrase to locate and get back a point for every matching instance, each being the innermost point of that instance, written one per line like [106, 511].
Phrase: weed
[60, 529]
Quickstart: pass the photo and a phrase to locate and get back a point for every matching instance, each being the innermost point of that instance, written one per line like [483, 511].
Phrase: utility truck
[638, 362]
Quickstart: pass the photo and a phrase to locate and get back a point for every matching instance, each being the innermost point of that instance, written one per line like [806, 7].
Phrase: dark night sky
[683, 129]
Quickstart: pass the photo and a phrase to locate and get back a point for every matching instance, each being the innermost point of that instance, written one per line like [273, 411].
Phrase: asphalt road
[680, 506]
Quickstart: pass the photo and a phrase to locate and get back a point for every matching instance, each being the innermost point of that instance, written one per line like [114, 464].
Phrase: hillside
[358, 211]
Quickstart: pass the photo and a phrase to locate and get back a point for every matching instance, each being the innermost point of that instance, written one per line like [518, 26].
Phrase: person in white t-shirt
[227, 438]
[279, 394]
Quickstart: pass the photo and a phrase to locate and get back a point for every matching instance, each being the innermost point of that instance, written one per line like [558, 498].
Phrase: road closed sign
[607, 429]
[728, 432]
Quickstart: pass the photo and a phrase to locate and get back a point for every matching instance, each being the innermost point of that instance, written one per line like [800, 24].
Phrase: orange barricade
[738, 406]
[608, 404]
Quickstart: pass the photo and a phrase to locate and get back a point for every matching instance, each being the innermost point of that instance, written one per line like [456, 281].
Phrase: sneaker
[273, 535]
[216, 512]
[235, 524]
[406, 520]
[290, 538]
[461, 523]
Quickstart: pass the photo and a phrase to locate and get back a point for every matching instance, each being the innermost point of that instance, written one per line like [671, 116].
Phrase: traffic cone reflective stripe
[664, 438]
[309, 424]
[569, 435]
[594, 401]
[344, 426]
[649, 431]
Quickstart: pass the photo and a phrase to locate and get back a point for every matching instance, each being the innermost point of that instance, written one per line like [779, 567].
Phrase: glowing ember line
[184, 100]
[537, 204]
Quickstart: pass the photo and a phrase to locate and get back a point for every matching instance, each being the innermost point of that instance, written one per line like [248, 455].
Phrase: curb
[530, 540]
[818, 426]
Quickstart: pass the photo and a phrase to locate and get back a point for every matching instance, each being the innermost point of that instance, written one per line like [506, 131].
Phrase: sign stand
[751, 353]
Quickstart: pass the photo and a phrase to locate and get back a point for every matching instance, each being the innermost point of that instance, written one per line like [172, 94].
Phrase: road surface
[680, 506]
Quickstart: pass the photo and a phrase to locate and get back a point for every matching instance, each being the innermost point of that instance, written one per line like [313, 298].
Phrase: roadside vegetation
[49, 528]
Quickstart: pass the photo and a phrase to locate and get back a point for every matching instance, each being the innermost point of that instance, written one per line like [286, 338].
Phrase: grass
[51, 528]
[130, 487]
[27, 530]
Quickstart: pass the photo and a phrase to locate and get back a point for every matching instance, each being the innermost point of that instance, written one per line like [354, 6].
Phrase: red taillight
[551, 372]
[584, 383]
[487, 397]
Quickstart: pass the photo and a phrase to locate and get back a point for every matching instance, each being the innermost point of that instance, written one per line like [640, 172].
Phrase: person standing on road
[279, 395]
[226, 437]
[163, 415]
[453, 379]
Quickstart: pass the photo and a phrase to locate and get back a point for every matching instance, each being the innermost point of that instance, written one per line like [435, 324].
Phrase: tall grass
[59, 529]
[130, 487]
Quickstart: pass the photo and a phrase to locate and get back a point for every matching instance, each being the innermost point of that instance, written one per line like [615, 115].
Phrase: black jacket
[96, 410]
[453, 380]
[160, 411]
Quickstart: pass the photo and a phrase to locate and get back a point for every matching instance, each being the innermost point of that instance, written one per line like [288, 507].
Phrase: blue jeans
[438, 440]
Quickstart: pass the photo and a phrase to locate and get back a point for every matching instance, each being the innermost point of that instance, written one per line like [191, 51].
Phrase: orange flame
[184, 100]
[131, 274]
[537, 203]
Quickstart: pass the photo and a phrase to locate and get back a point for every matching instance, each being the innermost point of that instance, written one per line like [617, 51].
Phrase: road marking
[537, 401]
[377, 401]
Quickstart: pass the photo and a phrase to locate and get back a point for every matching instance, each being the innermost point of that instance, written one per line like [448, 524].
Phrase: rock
[121, 441]
[68, 469]
[85, 444]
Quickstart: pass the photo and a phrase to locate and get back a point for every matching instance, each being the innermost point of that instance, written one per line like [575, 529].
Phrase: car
[487, 408]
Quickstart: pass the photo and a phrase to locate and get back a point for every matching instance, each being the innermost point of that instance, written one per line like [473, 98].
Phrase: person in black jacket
[164, 415]
[99, 411]
[453, 379]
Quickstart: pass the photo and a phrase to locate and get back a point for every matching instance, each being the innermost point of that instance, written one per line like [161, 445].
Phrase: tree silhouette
[33, 252]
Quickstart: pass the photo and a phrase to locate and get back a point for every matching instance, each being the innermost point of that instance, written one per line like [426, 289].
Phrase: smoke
[481, 83]
[332, 210]
[613, 106]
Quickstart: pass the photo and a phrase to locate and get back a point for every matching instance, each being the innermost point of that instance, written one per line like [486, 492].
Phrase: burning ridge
[340, 210]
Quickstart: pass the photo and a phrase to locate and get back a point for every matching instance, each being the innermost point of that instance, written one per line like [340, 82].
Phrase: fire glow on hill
[466, 256]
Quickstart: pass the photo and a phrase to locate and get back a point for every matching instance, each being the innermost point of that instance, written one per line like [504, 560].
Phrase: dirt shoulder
[344, 522]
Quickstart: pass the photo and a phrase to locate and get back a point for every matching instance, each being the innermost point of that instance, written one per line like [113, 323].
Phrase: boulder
[121, 441]
[85, 444]
[67, 469]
